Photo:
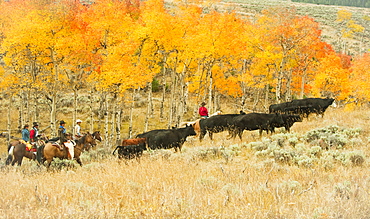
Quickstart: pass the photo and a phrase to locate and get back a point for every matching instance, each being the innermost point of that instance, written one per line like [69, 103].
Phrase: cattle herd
[280, 115]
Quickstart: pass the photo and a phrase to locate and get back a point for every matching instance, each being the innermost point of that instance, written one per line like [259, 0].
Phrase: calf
[133, 141]
[130, 151]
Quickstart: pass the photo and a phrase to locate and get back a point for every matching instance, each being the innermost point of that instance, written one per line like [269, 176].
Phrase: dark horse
[17, 150]
[49, 151]
[96, 135]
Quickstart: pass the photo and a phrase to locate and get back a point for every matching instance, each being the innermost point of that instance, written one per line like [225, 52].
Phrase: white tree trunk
[9, 117]
[210, 91]
[161, 113]
[149, 110]
[74, 116]
[106, 122]
[91, 111]
[131, 114]
[118, 121]
[53, 115]
[172, 106]
[303, 82]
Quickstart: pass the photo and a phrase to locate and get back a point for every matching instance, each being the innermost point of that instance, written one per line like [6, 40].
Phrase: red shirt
[203, 111]
[32, 133]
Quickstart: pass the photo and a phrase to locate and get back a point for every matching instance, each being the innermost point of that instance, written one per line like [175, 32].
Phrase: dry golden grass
[197, 183]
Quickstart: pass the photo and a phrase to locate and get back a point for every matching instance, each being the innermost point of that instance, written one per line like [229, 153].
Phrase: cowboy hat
[35, 124]
[62, 122]
[78, 120]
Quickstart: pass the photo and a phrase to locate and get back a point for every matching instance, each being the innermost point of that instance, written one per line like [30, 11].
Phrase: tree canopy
[120, 45]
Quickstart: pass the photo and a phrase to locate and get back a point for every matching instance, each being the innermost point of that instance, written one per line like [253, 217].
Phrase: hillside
[324, 14]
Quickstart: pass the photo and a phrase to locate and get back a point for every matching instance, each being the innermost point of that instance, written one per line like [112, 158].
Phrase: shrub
[58, 164]
[332, 136]
[283, 156]
[356, 158]
[96, 155]
[216, 153]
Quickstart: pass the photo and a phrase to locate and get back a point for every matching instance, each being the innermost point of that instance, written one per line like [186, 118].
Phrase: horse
[96, 136]
[17, 150]
[51, 150]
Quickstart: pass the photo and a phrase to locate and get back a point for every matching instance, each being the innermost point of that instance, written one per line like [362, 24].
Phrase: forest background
[353, 3]
[99, 61]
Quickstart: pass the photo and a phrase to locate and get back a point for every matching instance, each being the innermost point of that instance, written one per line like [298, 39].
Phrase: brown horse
[90, 143]
[97, 135]
[50, 150]
[17, 150]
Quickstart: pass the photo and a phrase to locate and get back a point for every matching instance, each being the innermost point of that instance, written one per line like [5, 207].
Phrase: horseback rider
[77, 130]
[34, 133]
[62, 133]
[26, 133]
[203, 111]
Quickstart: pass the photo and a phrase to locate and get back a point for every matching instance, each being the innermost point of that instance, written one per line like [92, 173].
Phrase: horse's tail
[10, 150]
[116, 149]
[40, 153]
[10, 154]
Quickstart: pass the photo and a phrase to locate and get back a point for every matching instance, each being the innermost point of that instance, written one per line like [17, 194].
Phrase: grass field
[279, 176]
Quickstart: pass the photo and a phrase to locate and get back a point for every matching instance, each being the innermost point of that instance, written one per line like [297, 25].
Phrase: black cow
[314, 105]
[288, 121]
[130, 151]
[215, 124]
[302, 107]
[254, 121]
[280, 107]
[167, 138]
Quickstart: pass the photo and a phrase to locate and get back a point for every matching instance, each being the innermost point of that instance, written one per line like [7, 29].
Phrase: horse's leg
[17, 159]
[48, 163]
[14, 160]
[87, 146]
[79, 161]
[43, 160]
[9, 160]
[20, 159]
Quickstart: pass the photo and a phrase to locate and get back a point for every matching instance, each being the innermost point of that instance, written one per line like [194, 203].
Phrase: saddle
[69, 146]
[57, 144]
[29, 146]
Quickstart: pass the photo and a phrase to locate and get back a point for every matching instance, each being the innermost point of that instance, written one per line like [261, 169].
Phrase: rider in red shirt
[34, 132]
[203, 112]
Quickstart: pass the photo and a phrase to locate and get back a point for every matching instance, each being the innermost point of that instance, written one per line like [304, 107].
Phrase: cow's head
[190, 130]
